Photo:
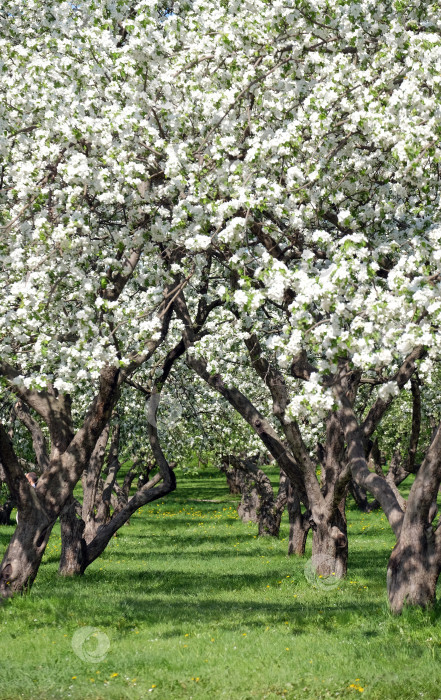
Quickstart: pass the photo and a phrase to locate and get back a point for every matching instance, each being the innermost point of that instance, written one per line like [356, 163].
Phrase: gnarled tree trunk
[413, 569]
[299, 524]
[271, 509]
[243, 484]
[330, 544]
[72, 541]
[39, 507]
[415, 562]
[233, 477]
[23, 556]
[249, 502]
[258, 502]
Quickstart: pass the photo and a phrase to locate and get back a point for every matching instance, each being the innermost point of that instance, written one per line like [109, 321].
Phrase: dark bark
[263, 428]
[299, 524]
[98, 524]
[40, 507]
[248, 507]
[148, 493]
[271, 509]
[88, 539]
[258, 502]
[39, 441]
[144, 473]
[233, 477]
[129, 478]
[79, 525]
[70, 453]
[414, 568]
[357, 462]
[416, 425]
[113, 466]
[294, 458]
[415, 563]
[244, 485]
[326, 500]
[377, 411]
[72, 540]
[23, 555]
[330, 544]
[90, 480]
[5, 512]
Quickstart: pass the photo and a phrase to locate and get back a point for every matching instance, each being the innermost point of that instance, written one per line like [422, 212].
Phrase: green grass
[188, 603]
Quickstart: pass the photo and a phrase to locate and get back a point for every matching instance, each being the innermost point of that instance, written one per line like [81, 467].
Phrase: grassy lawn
[188, 603]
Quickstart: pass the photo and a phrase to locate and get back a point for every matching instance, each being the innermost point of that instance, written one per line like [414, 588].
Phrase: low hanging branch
[95, 529]
[361, 474]
[148, 493]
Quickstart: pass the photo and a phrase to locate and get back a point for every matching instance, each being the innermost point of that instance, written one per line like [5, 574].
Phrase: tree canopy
[253, 186]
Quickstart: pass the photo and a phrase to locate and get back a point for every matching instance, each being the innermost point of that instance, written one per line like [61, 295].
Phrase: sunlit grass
[188, 603]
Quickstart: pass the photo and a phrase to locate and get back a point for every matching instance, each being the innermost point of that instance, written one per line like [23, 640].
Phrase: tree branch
[380, 406]
[374, 483]
[38, 439]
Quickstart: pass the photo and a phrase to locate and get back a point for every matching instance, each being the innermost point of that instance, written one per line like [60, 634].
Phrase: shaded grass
[188, 603]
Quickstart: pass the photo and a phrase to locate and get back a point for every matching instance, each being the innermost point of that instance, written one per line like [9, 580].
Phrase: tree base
[412, 574]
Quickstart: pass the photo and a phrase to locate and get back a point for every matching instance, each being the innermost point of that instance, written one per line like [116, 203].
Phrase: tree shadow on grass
[235, 615]
[179, 612]
[167, 521]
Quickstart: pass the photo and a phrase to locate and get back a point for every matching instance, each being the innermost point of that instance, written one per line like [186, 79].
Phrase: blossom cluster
[296, 144]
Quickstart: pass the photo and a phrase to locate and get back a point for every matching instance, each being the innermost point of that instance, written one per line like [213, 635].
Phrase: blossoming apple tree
[294, 146]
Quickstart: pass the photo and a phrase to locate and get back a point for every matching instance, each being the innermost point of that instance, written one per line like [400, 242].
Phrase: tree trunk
[258, 503]
[298, 524]
[330, 545]
[233, 481]
[249, 503]
[271, 509]
[269, 520]
[23, 556]
[79, 524]
[72, 541]
[5, 512]
[413, 569]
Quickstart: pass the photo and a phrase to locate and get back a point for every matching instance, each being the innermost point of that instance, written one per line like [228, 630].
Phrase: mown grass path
[188, 603]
